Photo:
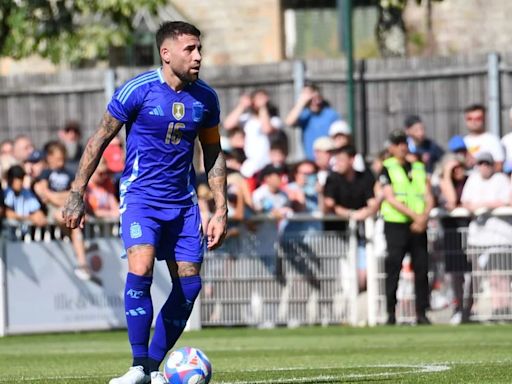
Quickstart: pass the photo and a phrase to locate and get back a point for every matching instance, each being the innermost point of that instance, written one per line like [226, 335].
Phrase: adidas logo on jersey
[157, 111]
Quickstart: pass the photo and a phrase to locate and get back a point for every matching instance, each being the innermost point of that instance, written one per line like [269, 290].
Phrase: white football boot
[135, 375]
[158, 378]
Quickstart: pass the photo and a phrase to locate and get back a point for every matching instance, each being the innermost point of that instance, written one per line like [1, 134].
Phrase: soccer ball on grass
[187, 365]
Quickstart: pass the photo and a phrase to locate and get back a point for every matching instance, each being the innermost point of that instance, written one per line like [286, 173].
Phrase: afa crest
[178, 110]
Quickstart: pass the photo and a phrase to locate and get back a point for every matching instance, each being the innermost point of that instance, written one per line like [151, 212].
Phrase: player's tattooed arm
[74, 209]
[215, 167]
[108, 129]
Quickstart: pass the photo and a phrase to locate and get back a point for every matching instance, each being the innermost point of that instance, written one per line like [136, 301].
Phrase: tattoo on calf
[188, 269]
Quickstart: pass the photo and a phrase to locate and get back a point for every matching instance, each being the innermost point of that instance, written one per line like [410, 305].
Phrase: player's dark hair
[173, 29]
[474, 107]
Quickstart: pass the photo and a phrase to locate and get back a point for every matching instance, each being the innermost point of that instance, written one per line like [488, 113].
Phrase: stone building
[262, 31]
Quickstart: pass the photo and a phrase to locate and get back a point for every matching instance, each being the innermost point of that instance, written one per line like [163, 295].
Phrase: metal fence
[265, 276]
[437, 88]
[470, 268]
[265, 279]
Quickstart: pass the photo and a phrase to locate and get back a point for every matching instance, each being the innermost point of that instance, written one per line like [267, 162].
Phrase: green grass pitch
[435, 354]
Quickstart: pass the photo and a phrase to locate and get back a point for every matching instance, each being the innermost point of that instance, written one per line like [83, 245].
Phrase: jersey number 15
[174, 133]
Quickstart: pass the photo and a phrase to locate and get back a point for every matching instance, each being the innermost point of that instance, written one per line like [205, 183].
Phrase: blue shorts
[176, 233]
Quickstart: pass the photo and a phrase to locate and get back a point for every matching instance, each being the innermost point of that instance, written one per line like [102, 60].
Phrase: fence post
[3, 284]
[299, 79]
[371, 272]
[352, 274]
[362, 134]
[494, 102]
[109, 84]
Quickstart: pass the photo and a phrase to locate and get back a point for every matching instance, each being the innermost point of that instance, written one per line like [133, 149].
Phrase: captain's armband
[209, 135]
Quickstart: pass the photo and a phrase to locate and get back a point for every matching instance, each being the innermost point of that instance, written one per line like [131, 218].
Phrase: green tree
[68, 30]
[390, 30]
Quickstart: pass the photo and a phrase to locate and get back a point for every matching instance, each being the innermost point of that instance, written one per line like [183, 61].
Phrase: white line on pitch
[70, 377]
[420, 368]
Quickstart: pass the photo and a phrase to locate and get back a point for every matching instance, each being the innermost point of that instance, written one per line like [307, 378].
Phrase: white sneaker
[135, 375]
[82, 273]
[456, 318]
[158, 378]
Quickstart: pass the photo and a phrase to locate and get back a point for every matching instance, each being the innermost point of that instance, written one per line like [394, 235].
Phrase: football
[187, 365]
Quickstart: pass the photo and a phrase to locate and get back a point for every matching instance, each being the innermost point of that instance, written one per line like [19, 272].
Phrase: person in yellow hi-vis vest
[405, 209]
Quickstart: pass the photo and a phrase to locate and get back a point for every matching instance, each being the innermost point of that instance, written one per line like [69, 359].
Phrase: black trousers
[400, 240]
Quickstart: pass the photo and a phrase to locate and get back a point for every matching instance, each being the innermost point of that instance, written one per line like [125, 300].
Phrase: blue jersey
[161, 126]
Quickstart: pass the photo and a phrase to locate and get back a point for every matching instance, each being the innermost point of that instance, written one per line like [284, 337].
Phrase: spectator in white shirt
[485, 189]
[259, 120]
[478, 140]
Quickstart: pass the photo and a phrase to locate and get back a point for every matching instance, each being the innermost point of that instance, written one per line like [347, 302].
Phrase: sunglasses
[474, 118]
[484, 163]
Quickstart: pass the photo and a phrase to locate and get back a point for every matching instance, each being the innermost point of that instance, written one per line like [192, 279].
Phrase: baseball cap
[456, 143]
[397, 136]
[339, 127]
[323, 143]
[484, 157]
[36, 156]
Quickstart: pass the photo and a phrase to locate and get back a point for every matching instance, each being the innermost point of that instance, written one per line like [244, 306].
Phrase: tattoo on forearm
[215, 166]
[108, 128]
[221, 219]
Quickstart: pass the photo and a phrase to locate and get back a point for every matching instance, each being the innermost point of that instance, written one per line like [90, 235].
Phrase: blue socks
[139, 315]
[172, 318]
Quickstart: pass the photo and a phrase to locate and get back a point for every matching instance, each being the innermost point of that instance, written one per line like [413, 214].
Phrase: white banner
[43, 294]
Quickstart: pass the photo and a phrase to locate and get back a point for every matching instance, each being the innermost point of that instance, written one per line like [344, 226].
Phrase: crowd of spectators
[471, 172]
[35, 184]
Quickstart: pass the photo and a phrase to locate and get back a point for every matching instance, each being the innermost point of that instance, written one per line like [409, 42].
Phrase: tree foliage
[390, 31]
[67, 30]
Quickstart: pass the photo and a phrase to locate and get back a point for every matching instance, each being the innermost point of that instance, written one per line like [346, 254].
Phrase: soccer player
[163, 111]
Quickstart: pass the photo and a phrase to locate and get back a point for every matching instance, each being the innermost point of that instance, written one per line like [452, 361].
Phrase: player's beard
[187, 77]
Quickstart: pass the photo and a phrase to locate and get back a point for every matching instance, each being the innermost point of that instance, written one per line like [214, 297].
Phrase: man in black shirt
[349, 194]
